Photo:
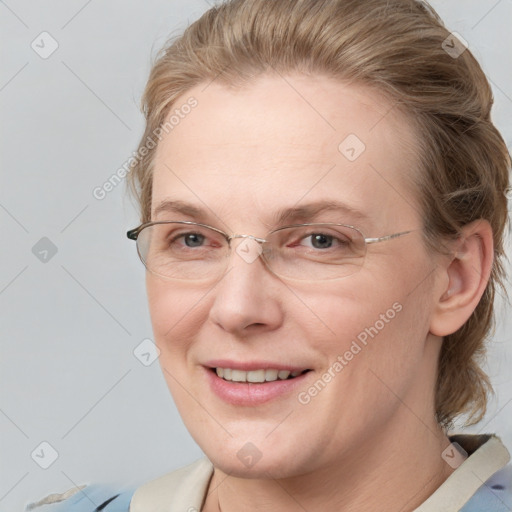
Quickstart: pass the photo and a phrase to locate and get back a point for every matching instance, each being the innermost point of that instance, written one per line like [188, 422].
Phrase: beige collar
[487, 454]
[185, 489]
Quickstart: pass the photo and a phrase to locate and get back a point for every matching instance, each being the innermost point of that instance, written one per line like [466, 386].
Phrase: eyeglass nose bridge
[255, 238]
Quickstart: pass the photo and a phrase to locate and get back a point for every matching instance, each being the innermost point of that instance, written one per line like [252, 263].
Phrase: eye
[175, 238]
[190, 239]
[194, 240]
[320, 240]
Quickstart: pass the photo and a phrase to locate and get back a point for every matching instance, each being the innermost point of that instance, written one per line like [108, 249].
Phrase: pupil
[194, 240]
[322, 241]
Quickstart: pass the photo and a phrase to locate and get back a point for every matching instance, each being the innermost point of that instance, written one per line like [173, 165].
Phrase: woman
[323, 201]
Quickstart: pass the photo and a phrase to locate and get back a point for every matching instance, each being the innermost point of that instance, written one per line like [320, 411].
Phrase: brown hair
[399, 48]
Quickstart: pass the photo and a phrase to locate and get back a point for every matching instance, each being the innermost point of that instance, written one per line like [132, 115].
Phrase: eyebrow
[303, 213]
[168, 206]
[309, 211]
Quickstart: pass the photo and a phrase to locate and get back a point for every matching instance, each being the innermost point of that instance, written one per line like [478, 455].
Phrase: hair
[397, 47]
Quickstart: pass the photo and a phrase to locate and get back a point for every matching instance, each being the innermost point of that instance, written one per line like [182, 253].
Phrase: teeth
[255, 376]
[271, 375]
[238, 376]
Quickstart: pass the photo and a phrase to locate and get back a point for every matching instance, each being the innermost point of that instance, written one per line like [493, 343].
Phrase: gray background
[70, 323]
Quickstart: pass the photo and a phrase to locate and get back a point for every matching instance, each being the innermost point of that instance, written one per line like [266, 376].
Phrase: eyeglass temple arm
[387, 237]
[133, 233]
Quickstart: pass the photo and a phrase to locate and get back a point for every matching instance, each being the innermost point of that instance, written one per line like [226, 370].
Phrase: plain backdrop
[72, 296]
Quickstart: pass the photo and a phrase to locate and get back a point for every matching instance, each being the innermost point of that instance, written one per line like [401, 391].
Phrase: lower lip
[250, 393]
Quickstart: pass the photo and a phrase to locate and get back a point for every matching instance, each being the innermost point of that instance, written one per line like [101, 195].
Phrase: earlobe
[465, 277]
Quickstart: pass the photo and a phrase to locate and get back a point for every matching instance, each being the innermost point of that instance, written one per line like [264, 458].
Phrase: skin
[369, 440]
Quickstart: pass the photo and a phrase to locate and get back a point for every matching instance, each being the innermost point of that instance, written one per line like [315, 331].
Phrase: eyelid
[188, 224]
[312, 225]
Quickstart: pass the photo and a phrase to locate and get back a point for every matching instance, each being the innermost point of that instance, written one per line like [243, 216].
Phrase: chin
[257, 458]
[275, 465]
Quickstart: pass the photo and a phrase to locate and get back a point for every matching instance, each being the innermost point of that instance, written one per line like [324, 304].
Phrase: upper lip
[253, 365]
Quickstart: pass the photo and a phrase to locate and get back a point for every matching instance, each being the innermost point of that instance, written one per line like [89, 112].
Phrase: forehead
[245, 153]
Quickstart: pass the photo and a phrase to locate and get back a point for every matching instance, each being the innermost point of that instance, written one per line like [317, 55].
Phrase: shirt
[482, 483]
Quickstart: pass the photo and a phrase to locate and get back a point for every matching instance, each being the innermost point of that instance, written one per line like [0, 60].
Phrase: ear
[464, 278]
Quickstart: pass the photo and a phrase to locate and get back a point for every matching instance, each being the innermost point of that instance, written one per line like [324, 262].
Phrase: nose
[248, 298]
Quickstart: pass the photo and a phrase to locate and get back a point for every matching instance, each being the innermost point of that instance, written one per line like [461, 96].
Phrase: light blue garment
[494, 496]
[93, 498]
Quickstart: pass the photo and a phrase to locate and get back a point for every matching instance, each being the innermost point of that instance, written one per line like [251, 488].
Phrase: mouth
[259, 376]
[253, 383]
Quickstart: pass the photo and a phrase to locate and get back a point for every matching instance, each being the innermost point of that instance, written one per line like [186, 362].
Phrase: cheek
[345, 309]
[176, 317]
[175, 314]
[376, 322]
[376, 345]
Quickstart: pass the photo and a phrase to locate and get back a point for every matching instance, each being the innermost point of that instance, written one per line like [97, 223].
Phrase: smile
[253, 383]
[256, 376]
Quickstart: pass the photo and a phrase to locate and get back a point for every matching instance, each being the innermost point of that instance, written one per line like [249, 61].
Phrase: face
[242, 157]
